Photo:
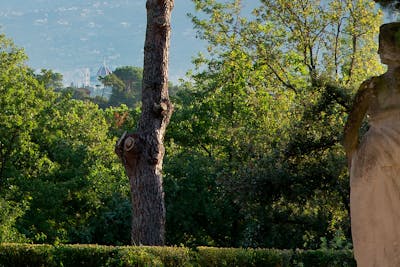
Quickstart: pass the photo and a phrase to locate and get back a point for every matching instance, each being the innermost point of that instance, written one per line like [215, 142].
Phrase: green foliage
[193, 220]
[332, 39]
[50, 79]
[94, 255]
[323, 258]
[121, 119]
[10, 212]
[130, 76]
[209, 256]
[22, 99]
[126, 85]
[60, 180]
[75, 193]
[113, 81]
[19, 255]
[253, 155]
[260, 125]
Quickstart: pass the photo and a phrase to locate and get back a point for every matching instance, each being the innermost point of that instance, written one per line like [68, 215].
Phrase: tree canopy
[253, 154]
[265, 112]
[126, 83]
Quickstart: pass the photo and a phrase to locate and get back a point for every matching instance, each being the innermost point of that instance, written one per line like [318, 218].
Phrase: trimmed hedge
[28, 255]
[274, 258]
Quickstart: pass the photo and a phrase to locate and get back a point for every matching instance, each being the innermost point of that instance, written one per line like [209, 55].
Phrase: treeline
[125, 83]
[253, 154]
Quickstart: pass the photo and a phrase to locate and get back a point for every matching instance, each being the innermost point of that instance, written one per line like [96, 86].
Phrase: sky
[69, 36]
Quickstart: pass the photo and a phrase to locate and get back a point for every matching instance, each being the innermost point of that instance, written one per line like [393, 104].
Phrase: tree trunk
[142, 152]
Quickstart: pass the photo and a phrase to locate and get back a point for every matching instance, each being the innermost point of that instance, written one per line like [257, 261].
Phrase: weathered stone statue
[375, 162]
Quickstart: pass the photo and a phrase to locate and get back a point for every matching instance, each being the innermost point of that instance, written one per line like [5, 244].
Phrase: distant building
[79, 77]
[98, 88]
[104, 70]
[86, 77]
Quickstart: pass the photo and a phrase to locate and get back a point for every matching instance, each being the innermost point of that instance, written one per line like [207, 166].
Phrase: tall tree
[142, 152]
[22, 99]
[50, 79]
[131, 76]
[125, 82]
[265, 112]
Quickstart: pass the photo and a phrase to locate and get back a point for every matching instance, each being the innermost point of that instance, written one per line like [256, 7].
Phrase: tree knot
[163, 109]
[128, 145]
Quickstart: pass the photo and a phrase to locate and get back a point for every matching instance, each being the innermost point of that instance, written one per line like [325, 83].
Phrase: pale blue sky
[69, 35]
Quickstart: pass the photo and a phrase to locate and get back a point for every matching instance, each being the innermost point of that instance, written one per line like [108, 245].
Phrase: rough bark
[142, 152]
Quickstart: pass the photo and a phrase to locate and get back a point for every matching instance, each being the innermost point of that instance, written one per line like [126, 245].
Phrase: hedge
[29, 255]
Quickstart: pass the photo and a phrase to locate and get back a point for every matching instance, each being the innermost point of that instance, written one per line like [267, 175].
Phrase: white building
[104, 70]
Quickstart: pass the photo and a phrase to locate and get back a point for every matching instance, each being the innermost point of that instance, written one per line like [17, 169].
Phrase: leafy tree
[50, 79]
[130, 76]
[331, 42]
[223, 119]
[72, 137]
[60, 180]
[125, 83]
[10, 212]
[21, 102]
[121, 119]
[193, 216]
[76, 189]
[22, 99]
[113, 81]
[253, 154]
[268, 111]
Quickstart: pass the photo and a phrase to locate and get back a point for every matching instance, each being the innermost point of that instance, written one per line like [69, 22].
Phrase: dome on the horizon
[104, 70]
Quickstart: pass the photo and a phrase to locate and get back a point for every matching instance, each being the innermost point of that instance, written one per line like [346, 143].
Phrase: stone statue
[374, 163]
